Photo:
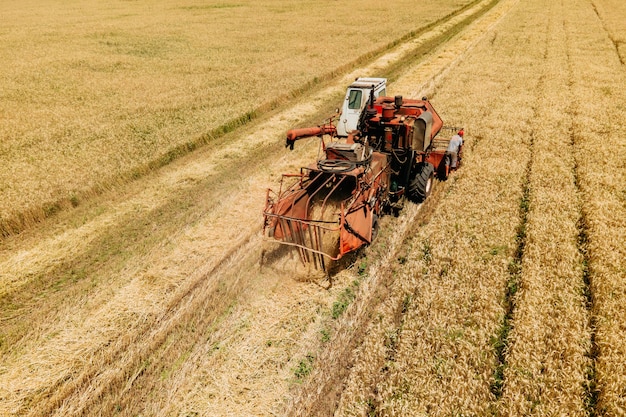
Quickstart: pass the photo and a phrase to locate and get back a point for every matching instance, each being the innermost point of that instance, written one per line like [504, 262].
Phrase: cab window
[354, 99]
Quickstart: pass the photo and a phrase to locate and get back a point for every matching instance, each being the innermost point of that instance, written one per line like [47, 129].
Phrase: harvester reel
[335, 165]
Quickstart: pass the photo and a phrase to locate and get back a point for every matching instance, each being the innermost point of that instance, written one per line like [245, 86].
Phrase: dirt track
[159, 304]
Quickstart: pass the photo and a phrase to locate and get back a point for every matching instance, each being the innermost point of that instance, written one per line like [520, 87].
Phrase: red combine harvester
[332, 207]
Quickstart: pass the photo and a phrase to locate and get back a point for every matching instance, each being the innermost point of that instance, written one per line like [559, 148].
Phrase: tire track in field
[591, 389]
[616, 43]
[546, 363]
[597, 77]
[61, 393]
[515, 274]
[595, 405]
[501, 345]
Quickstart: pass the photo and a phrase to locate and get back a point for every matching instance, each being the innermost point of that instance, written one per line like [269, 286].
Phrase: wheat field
[506, 299]
[600, 152]
[94, 95]
[92, 296]
[155, 294]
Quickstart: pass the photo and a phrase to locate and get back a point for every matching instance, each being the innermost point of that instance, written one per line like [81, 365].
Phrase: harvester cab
[332, 207]
[355, 101]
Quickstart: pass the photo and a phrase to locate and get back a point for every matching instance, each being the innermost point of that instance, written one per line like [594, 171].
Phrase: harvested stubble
[600, 152]
[96, 94]
[107, 343]
[547, 362]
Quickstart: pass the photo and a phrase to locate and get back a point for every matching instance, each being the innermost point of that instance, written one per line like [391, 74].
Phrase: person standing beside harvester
[452, 153]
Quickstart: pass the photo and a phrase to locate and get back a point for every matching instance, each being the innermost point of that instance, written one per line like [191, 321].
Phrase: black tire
[422, 183]
[374, 227]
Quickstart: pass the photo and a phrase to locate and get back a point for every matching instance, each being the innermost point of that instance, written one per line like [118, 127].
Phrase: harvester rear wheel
[422, 184]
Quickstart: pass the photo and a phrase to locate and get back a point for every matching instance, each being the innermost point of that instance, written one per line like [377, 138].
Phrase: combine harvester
[332, 207]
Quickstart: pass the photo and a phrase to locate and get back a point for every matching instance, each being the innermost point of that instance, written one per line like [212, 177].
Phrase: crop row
[547, 366]
[511, 296]
[599, 127]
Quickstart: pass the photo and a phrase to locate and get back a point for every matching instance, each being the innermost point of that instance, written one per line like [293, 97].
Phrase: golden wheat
[442, 362]
[437, 362]
[127, 293]
[599, 131]
[546, 358]
[95, 95]
[174, 317]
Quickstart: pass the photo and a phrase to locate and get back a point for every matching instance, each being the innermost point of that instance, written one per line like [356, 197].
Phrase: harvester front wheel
[422, 183]
[374, 227]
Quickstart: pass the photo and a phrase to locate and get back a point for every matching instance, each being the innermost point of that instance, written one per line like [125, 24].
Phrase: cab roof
[367, 82]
